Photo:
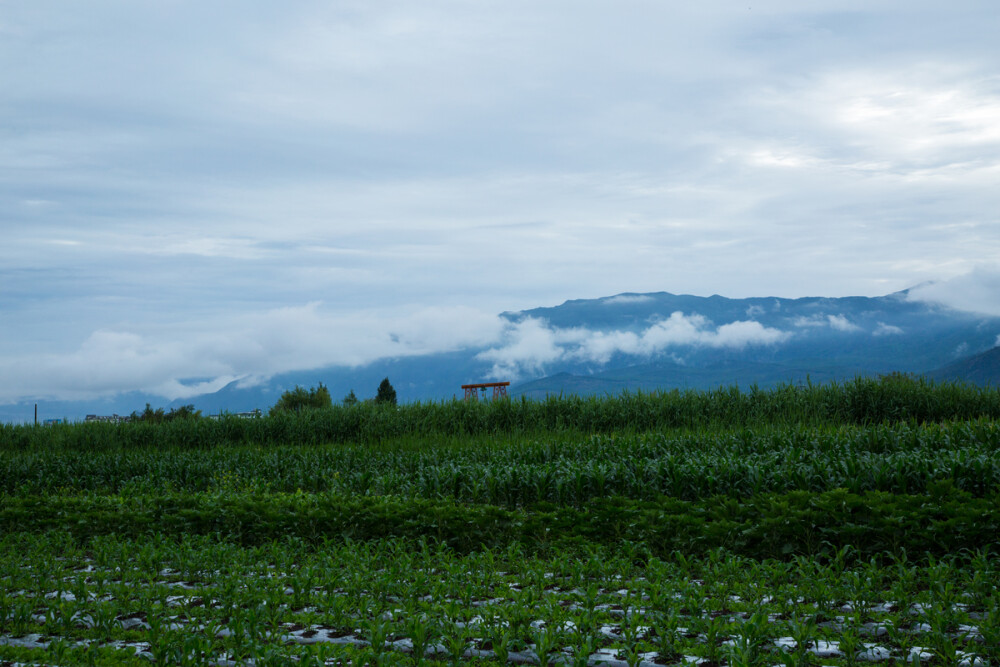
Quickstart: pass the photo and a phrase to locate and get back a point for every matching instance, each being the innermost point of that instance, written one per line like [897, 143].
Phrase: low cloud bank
[249, 348]
[627, 299]
[977, 292]
[887, 330]
[835, 322]
[530, 345]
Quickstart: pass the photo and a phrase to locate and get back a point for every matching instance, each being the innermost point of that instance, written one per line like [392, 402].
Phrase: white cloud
[627, 299]
[249, 348]
[841, 323]
[530, 345]
[809, 322]
[743, 334]
[924, 121]
[836, 322]
[977, 291]
[887, 330]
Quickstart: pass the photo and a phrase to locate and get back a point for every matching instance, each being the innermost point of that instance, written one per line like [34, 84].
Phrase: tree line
[300, 398]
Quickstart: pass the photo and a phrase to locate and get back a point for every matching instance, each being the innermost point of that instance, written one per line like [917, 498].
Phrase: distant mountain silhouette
[645, 341]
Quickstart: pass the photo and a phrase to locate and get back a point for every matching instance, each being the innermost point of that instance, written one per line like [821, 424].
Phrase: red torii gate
[472, 390]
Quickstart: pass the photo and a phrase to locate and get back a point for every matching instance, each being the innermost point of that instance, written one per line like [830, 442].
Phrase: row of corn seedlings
[197, 601]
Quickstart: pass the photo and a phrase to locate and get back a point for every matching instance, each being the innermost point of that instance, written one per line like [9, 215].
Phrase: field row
[942, 523]
[204, 602]
[563, 469]
[864, 401]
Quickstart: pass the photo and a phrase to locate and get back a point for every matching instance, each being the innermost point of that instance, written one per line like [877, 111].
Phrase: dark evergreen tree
[386, 393]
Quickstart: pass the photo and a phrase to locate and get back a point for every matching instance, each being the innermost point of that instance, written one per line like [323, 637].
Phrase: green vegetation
[386, 393]
[350, 399]
[298, 399]
[810, 526]
[158, 416]
[862, 402]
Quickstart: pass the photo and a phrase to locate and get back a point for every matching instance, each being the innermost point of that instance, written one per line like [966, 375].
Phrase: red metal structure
[472, 390]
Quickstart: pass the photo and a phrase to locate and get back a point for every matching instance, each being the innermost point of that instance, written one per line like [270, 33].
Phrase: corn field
[827, 525]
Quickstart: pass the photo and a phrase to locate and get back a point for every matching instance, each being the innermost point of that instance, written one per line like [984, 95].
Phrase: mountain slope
[982, 369]
[644, 341]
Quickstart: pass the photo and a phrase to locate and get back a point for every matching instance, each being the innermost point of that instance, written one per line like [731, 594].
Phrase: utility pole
[36, 414]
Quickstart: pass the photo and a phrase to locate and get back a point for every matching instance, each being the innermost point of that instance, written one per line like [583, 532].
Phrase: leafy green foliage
[158, 416]
[764, 526]
[299, 399]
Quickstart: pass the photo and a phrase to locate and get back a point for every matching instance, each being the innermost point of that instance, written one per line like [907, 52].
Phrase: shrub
[295, 400]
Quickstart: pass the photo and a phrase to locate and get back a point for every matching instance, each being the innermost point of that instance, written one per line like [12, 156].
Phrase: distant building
[113, 419]
[253, 414]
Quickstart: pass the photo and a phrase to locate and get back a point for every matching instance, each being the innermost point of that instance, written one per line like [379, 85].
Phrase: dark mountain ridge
[675, 341]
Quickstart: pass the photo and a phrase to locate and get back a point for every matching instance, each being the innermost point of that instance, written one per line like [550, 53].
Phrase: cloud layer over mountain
[530, 345]
[977, 291]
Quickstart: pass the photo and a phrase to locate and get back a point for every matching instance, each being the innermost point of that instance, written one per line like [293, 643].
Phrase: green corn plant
[850, 644]
[105, 620]
[547, 641]
[500, 638]
[665, 636]
[376, 632]
[423, 631]
[456, 640]
[58, 649]
[746, 651]
[584, 642]
[942, 645]
[715, 631]
[803, 631]
[632, 640]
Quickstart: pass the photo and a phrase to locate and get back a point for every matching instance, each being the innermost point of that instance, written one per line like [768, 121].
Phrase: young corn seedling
[943, 646]
[715, 631]
[58, 649]
[547, 641]
[803, 631]
[423, 631]
[666, 638]
[632, 639]
[375, 631]
[456, 641]
[745, 652]
[850, 644]
[500, 638]
[586, 641]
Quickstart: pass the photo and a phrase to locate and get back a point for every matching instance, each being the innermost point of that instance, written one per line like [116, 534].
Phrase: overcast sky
[215, 189]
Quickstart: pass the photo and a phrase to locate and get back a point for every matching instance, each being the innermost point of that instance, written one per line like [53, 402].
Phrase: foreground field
[199, 601]
[728, 528]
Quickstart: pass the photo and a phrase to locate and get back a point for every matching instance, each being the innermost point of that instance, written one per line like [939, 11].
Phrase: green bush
[298, 399]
